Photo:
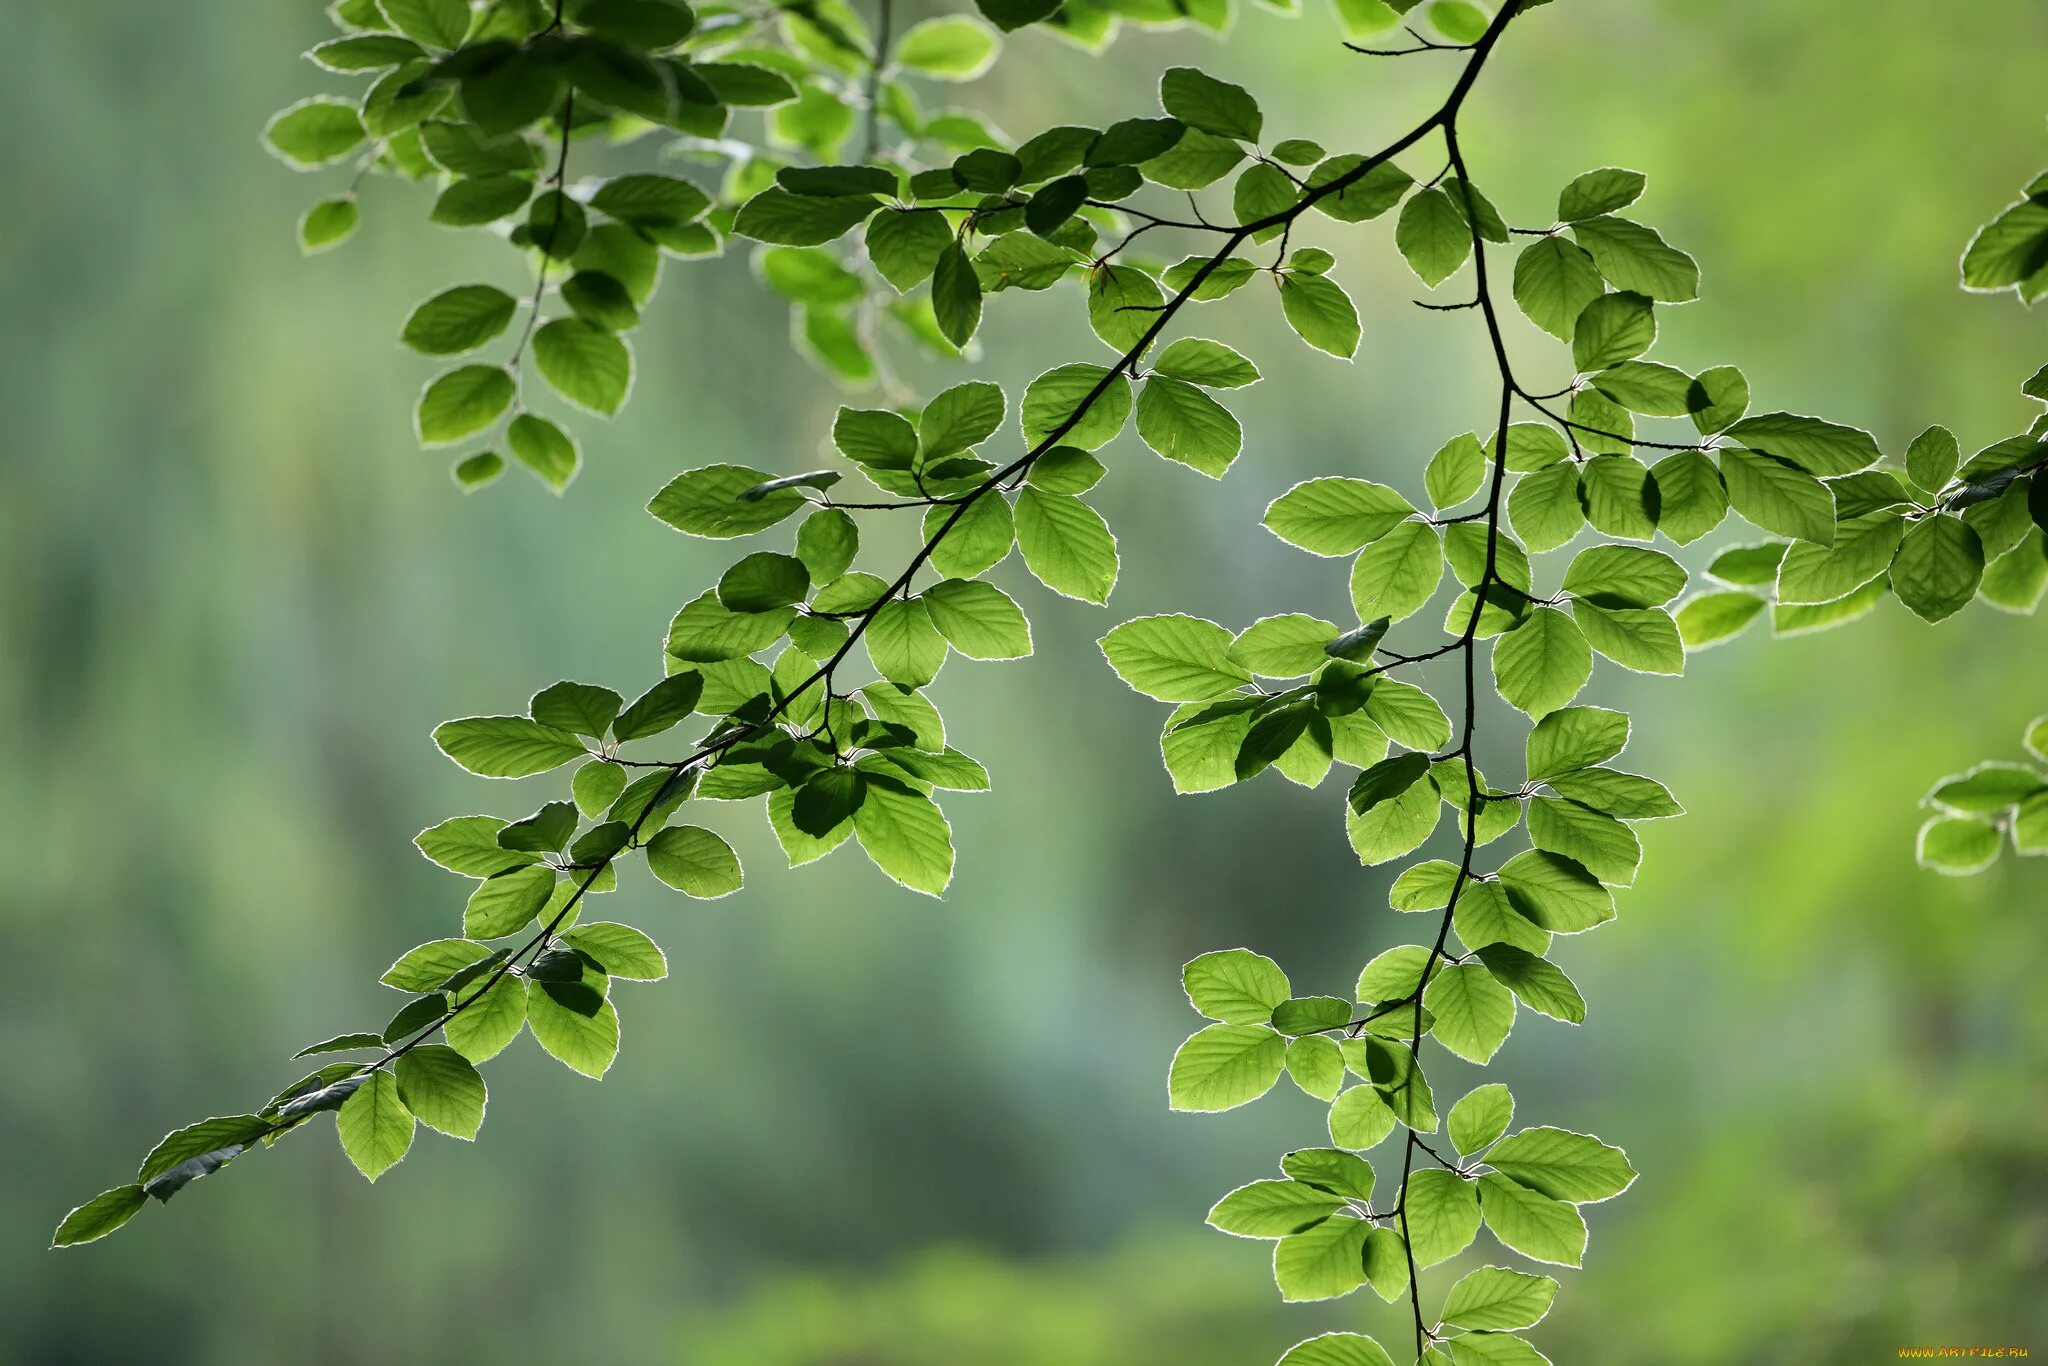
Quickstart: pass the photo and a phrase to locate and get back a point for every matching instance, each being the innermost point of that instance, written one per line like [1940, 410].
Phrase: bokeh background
[858, 1126]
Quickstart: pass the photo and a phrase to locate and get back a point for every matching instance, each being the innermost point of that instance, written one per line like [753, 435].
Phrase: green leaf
[1563, 1165]
[956, 295]
[1643, 639]
[1455, 472]
[1174, 658]
[1321, 313]
[442, 1090]
[1479, 1117]
[1082, 406]
[800, 220]
[1554, 281]
[1635, 258]
[903, 644]
[462, 402]
[1210, 364]
[1532, 1223]
[1272, 1209]
[660, 707]
[324, 226]
[1987, 789]
[99, 1216]
[695, 861]
[1201, 101]
[374, 1125]
[1932, 458]
[1283, 647]
[506, 746]
[434, 23]
[1360, 1119]
[1182, 423]
[1392, 808]
[1863, 549]
[469, 845]
[977, 535]
[1317, 1065]
[1433, 236]
[315, 132]
[1322, 1263]
[978, 619]
[459, 319]
[1338, 1349]
[1235, 986]
[1224, 1066]
[1541, 664]
[1711, 618]
[1607, 848]
[586, 1043]
[1366, 195]
[953, 48]
[1330, 1169]
[1821, 448]
[1624, 576]
[1397, 574]
[1493, 1297]
[905, 835]
[1544, 507]
[1442, 1215]
[472, 201]
[2011, 250]
[1575, 737]
[1779, 497]
[1066, 544]
[1336, 516]
[1556, 892]
[1611, 329]
[1473, 1011]
[545, 449]
[489, 1019]
[586, 364]
[1599, 192]
[905, 245]
[1957, 845]
[507, 903]
[707, 502]
[429, 966]
[1940, 562]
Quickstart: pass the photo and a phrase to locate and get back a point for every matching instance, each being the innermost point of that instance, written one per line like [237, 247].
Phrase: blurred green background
[857, 1126]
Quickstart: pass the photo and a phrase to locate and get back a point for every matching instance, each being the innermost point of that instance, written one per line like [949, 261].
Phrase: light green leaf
[374, 1125]
[1611, 329]
[1235, 986]
[906, 835]
[1360, 1119]
[1182, 423]
[459, 319]
[1272, 1209]
[507, 903]
[1323, 1263]
[315, 132]
[1432, 236]
[1779, 497]
[1174, 658]
[1575, 737]
[1540, 665]
[1563, 1165]
[1493, 1297]
[952, 48]
[1599, 192]
[1335, 516]
[462, 402]
[1940, 562]
[1643, 639]
[442, 1090]
[1532, 1223]
[1083, 406]
[1820, 448]
[1319, 310]
[695, 861]
[1554, 281]
[1473, 1011]
[1283, 647]
[99, 1216]
[1634, 257]
[1066, 544]
[1957, 845]
[1442, 1215]
[586, 1043]
[1603, 845]
[978, 619]
[1479, 1117]
[489, 1019]
[903, 644]
[622, 951]
[1224, 1066]
[1337, 1349]
[1317, 1065]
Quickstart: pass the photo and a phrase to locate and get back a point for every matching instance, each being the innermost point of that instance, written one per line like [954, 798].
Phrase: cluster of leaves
[806, 676]
[1975, 812]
